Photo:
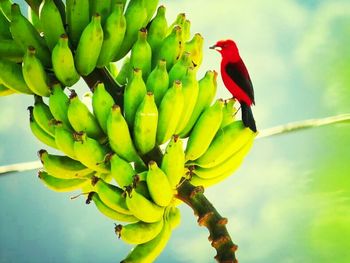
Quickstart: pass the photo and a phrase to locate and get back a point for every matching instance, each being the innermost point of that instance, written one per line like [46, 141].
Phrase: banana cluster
[108, 148]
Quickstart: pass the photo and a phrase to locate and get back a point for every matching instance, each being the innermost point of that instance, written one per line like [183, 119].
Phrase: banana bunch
[108, 146]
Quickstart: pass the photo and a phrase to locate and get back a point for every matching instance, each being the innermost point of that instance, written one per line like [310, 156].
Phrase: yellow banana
[195, 48]
[43, 116]
[121, 171]
[58, 104]
[145, 127]
[139, 232]
[186, 30]
[173, 216]
[78, 17]
[61, 185]
[158, 81]
[229, 112]
[64, 140]
[10, 50]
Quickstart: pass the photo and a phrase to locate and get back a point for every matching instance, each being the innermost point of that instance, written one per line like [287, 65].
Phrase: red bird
[236, 79]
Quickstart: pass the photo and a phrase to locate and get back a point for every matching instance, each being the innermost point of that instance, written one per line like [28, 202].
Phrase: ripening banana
[148, 252]
[158, 81]
[170, 112]
[157, 31]
[34, 73]
[227, 142]
[227, 167]
[179, 70]
[102, 8]
[5, 91]
[10, 50]
[139, 232]
[64, 140]
[109, 212]
[78, 17]
[145, 126]
[25, 35]
[190, 90]
[89, 46]
[229, 112]
[5, 8]
[143, 209]
[114, 31]
[134, 94]
[186, 30]
[82, 119]
[207, 90]
[111, 195]
[174, 161]
[38, 132]
[43, 116]
[170, 49]
[141, 54]
[204, 131]
[102, 103]
[58, 104]
[119, 136]
[125, 72]
[121, 171]
[90, 152]
[173, 216]
[63, 62]
[136, 18]
[158, 185]
[61, 185]
[63, 167]
[51, 22]
[195, 48]
[12, 77]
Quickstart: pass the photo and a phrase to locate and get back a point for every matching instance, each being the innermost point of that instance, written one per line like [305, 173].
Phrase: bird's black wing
[239, 74]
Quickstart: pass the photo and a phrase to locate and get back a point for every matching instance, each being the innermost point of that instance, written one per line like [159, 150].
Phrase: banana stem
[102, 74]
[211, 219]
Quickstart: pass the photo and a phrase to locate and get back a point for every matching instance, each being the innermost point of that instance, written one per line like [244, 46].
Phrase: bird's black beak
[212, 47]
[215, 47]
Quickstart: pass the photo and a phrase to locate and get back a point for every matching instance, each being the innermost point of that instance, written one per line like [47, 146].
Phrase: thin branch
[20, 167]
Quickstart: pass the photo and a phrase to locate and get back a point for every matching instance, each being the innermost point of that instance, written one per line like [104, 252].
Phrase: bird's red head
[227, 48]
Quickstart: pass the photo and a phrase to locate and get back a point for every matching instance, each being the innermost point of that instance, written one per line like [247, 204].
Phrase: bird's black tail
[247, 117]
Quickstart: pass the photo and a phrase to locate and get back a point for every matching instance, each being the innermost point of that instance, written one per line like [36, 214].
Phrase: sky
[287, 203]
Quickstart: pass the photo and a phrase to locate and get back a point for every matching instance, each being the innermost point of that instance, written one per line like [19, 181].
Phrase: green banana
[227, 142]
[89, 46]
[173, 216]
[151, 6]
[190, 90]
[112, 69]
[25, 35]
[63, 167]
[63, 62]
[125, 72]
[102, 8]
[227, 167]
[186, 30]
[158, 185]
[90, 153]
[170, 49]
[173, 161]
[10, 50]
[134, 94]
[158, 81]
[179, 21]
[121, 171]
[145, 127]
[204, 131]
[229, 112]
[5, 91]
[195, 48]
[33, 18]
[43, 116]
[109, 212]
[157, 31]
[78, 17]
[207, 90]
[5, 8]
[170, 112]
[111, 195]
[58, 104]
[141, 54]
[114, 31]
[61, 185]
[102, 103]
[51, 22]
[34, 73]
[139, 232]
[179, 70]
[120, 138]
[82, 119]
[61, 9]
[136, 18]
[64, 140]
[148, 252]
[11, 76]
[5, 27]
[143, 209]
[38, 132]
